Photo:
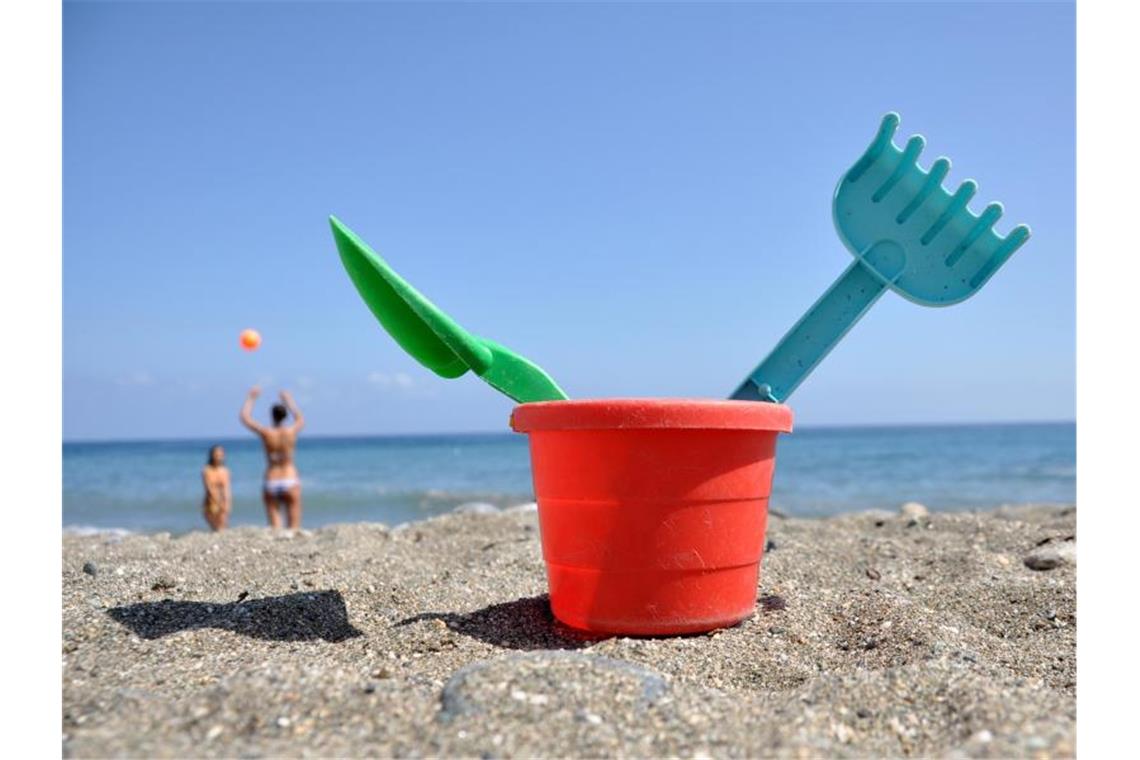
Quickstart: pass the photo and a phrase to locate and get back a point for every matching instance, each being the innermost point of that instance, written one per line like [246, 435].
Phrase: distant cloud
[141, 377]
[399, 380]
[189, 386]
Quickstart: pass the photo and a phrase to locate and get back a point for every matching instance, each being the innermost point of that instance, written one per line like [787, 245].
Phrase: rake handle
[813, 337]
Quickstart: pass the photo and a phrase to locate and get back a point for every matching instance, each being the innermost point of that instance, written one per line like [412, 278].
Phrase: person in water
[282, 488]
[216, 479]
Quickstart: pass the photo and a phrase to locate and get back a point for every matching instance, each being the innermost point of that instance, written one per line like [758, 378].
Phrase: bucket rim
[651, 413]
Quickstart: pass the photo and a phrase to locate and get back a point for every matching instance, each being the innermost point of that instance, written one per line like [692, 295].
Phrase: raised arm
[247, 410]
[291, 405]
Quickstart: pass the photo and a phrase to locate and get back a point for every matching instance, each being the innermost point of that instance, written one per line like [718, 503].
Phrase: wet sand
[877, 633]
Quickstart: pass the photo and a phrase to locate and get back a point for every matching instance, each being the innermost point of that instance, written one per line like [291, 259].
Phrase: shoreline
[877, 633]
[530, 506]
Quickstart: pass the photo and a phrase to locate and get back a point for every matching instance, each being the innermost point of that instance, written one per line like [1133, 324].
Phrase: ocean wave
[91, 530]
[438, 497]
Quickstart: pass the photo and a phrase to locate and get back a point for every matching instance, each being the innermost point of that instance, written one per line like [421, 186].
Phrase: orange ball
[250, 339]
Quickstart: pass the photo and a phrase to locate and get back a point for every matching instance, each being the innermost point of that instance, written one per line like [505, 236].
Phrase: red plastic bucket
[652, 511]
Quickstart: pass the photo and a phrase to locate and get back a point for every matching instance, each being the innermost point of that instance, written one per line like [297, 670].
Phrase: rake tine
[886, 131]
[938, 171]
[987, 220]
[914, 146]
[1014, 240]
[961, 197]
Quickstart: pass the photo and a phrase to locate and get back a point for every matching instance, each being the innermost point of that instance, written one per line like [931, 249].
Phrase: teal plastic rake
[908, 234]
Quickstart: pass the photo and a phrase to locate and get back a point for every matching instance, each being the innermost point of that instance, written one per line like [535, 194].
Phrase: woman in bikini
[216, 479]
[282, 489]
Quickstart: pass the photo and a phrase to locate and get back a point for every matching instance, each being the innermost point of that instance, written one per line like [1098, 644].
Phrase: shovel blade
[398, 306]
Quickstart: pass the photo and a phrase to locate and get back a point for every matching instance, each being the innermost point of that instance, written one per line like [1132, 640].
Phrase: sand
[877, 634]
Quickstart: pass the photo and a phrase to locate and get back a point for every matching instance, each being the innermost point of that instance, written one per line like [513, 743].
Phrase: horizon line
[478, 433]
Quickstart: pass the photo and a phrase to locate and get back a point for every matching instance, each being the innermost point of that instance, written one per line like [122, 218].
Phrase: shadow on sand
[293, 617]
[526, 624]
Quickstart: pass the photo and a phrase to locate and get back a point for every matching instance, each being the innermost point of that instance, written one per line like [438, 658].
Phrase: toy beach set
[652, 512]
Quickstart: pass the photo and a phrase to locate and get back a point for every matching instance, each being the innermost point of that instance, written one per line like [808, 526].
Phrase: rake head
[920, 240]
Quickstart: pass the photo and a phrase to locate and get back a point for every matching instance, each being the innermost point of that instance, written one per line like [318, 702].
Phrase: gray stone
[1052, 554]
[578, 684]
[90, 569]
[913, 510]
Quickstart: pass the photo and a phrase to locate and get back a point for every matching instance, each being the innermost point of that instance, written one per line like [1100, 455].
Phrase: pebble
[90, 569]
[913, 510]
[873, 574]
[535, 699]
[771, 602]
[163, 583]
[1051, 555]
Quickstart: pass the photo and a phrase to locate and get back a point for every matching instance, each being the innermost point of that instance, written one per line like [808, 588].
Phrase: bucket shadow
[292, 617]
[526, 624]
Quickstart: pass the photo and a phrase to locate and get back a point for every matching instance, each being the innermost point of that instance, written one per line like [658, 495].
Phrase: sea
[152, 486]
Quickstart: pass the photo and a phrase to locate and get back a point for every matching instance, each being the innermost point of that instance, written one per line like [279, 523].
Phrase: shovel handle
[813, 337]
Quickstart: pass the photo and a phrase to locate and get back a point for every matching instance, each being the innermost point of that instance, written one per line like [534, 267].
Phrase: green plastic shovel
[432, 337]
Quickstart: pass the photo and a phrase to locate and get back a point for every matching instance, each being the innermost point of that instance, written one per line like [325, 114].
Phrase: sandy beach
[889, 633]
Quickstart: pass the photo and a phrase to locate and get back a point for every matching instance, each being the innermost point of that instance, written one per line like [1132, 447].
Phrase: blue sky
[637, 197]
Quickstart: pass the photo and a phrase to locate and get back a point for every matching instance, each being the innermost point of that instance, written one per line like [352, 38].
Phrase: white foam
[91, 530]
